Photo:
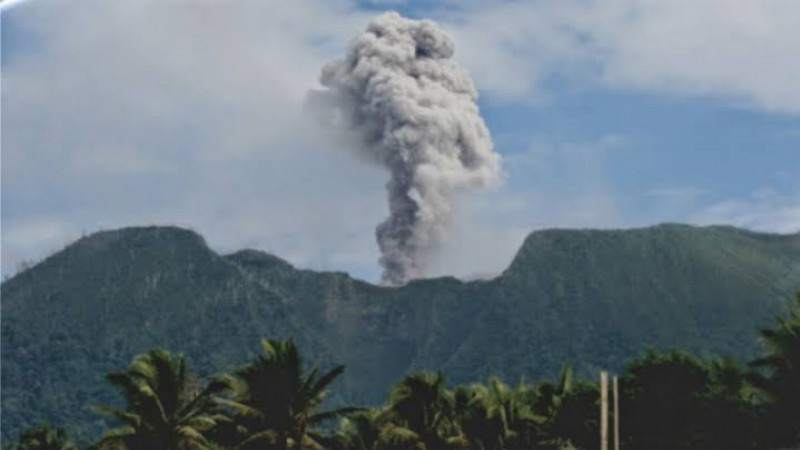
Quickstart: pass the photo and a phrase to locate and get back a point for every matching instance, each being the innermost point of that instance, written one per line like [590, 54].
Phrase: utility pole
[603, 410]
[616, 412]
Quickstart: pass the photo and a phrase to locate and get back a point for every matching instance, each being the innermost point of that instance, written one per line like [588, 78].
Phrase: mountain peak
[259, 259]
[110, 245]
[646, 243]
[142, 234]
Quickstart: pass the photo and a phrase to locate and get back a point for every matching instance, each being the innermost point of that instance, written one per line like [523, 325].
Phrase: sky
[607, 114]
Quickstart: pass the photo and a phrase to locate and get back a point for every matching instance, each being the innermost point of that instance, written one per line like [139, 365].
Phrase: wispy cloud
[125, 113]
[765, 209]
[550, 184]
[742, 52]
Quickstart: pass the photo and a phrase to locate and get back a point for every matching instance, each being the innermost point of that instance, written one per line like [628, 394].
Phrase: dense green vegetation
[669, 400]
[596, 298]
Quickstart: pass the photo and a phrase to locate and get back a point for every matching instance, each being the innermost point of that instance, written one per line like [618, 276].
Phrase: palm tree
[576, 423]
[497, 416]
[163, 410]
[479, 428]
[514, 407]
[421, 405]
[360, 431]
[374, 430]
[548, 407]
[275, 401]
[549, 396]
[42, 437]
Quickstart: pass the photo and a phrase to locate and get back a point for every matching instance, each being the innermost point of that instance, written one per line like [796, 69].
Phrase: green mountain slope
[592, 297]
[89, 308]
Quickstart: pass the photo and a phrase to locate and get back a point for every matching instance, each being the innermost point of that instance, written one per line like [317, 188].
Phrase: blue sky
[608, 114]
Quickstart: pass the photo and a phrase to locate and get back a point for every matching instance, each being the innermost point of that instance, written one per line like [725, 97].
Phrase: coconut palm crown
[276, 402]
[164, 410]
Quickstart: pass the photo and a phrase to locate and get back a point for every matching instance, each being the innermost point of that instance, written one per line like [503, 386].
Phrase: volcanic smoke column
[414, 107]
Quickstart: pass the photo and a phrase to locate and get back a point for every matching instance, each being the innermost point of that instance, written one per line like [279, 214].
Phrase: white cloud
[21, 244]
[765, 209]
[125, 113]
[744, 52]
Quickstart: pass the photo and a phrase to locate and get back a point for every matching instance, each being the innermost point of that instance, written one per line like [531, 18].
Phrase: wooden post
[603, 410]
[616, 412]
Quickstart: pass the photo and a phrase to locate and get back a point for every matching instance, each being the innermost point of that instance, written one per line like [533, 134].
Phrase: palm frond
[191, 434]
[269, 437]
[333, 414]
[240, 408]
[310, 378]
[325, 380]
[120, 415]
[117, 435]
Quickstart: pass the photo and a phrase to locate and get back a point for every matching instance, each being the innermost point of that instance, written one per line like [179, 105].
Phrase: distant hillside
[591, 297]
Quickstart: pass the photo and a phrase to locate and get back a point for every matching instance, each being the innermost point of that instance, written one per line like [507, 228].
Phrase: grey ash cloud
[413, 109]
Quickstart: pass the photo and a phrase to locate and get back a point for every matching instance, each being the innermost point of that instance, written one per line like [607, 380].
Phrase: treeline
[669, 400]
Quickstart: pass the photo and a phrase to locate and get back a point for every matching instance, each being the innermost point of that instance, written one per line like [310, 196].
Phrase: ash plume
[414, 110]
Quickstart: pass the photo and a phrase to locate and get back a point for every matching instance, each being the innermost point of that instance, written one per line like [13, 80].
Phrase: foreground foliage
[163, 407]
[42, 437]
[274, 401]
[669, 401]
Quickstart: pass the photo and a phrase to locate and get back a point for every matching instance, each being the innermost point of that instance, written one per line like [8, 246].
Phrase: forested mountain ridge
[592, 297]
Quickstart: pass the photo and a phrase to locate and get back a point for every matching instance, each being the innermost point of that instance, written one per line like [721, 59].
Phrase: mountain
[592, 297]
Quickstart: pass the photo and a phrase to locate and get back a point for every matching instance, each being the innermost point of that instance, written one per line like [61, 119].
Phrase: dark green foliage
[670, 400]
[576, 421]
[162, 408]
[674, 401]
[42, 437]
[421, 404]
[781, 383]
[662, 401]
[358, 431]
[597, 298]
[732, 408]
[476, 417]
[276, 401]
